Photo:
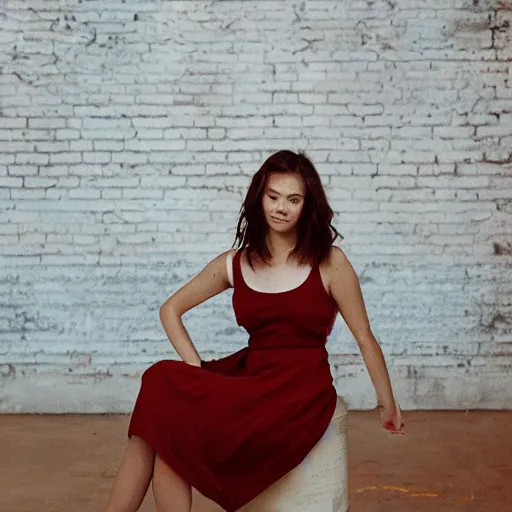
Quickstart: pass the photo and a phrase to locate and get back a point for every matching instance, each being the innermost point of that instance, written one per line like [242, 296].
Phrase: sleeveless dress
[235, 425]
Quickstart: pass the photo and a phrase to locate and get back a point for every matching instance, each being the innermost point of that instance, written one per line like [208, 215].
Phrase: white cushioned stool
[318, 484]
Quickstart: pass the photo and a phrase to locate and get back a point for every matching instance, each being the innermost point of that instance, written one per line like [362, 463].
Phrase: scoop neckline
[308, 277]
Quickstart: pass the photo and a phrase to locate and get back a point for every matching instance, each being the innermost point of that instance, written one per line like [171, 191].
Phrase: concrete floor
[447, 461]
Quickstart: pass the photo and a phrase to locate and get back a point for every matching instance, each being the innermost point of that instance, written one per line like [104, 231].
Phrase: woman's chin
[282, 229]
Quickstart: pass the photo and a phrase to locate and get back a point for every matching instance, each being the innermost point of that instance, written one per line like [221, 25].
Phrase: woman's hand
[391, 418]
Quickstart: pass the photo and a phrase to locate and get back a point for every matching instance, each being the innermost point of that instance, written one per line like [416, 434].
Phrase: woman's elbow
[167, 309]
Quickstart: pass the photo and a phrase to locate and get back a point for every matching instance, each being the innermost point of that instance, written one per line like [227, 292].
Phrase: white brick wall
[128, 135]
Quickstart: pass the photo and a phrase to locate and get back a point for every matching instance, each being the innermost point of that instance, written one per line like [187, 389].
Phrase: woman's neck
[281, 246]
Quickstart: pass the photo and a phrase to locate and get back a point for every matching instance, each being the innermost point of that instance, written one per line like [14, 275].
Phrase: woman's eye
[273, 197]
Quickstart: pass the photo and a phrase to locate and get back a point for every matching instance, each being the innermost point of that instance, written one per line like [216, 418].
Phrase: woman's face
[283, 201]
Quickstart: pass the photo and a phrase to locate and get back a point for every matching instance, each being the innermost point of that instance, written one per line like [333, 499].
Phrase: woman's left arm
[346, 291]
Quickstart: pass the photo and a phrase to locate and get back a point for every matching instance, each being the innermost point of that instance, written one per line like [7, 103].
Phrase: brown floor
[447, 461]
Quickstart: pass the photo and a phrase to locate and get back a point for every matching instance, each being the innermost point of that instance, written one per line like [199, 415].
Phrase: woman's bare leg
[171, 492]
[133, 477]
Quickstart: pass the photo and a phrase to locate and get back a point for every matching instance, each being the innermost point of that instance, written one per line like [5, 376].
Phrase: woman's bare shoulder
[336, 266]
[230, 253]
[336, 259]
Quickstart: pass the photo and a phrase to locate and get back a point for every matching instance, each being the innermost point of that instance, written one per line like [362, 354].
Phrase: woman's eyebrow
[290, 195]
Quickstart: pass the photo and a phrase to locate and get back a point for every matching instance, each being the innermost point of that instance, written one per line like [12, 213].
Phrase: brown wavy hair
[315, 232]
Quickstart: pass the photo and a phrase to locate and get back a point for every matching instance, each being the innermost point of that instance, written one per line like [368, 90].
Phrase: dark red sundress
[235, 425]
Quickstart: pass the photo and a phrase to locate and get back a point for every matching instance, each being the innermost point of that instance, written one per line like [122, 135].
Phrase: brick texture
[128, 135]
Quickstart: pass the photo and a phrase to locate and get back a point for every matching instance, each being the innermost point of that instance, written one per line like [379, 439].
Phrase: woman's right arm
[212, 280]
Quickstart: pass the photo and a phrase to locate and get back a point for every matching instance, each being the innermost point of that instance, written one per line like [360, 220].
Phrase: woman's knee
[157, 369]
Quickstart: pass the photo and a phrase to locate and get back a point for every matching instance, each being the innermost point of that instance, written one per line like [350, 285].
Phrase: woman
[231, 427]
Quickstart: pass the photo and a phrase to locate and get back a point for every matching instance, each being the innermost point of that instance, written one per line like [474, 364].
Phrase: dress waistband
[286, 354]
[286, 347]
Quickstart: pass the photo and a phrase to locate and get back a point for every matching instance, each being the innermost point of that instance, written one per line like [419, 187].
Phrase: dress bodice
[300, 317]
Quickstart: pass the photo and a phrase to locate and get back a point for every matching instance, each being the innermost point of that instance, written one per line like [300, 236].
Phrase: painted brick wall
[128, 134]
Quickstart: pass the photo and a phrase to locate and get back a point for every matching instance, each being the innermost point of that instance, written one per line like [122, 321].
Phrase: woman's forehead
[286, 183]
